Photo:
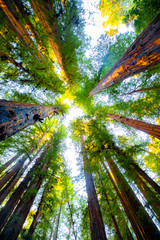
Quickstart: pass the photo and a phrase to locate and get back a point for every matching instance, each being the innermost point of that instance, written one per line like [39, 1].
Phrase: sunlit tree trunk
[42, 9]
[16, 116]
[6, 211]
[15, 223]
[11, 184]
[96, 221]
[152, 129]
[143, 53]
[144, 227]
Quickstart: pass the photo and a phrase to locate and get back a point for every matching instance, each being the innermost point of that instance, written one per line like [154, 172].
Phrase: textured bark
[43, 10]
[18, 27]
[149, 180]
[12, 160]
[151, 129]
[6, 211]
[15, 223]
[117, 231]
[96, 221]
[143, 53]
[14, 116]
[6, 190]
[143, 226]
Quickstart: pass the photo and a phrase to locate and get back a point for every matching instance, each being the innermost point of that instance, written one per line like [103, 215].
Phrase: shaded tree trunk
[149, 180]
[5, 165]
[52, 228]
[117, 231]
[36, 216]
[57, 225]
[18, 27]
[152, 129]
[143, 53]
[96, 221]
[7, 210]
[7, 189]
[15, 223]
[72, 222]
[16, 116]
[143, 226]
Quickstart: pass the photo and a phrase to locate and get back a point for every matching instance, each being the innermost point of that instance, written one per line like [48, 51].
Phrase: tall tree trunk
[7, 189]
[36, 216]
[96, 221]
[43, 10]
[57, 225]
[18, 27]
[50, 238]
[152, 129]
[16, 168]
[117, 231]
[7, 210]
[16, 116]
[72, 222]
[144, 227]
[149, 180]
[148, 194]
[15, 223]
[5, 165]
[143, 53]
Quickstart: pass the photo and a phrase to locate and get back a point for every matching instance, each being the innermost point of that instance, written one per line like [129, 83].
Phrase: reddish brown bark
[10, 185]
[155, 186]
[16, 116]
[42, 9]
[15, 223]
[143, 53]
[152, 129]
[18, 27]
[6, 211]
[144, 227]
[96, 221]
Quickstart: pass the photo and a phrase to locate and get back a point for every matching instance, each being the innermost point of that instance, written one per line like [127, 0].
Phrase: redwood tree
[16, 116]
[143, 53]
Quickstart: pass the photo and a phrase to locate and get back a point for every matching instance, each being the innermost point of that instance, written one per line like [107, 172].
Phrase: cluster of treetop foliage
[43, 63]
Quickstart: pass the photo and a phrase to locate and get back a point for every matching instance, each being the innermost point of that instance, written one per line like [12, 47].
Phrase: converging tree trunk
[143, 90]
[151, 129]
[7, 210]
[117, 231]
[143, 226]
[57, 224]
[143, 53]
[16, 116]
[36, 216]
[12, 160]
[96, 221]
[15, 223]
[11, 184]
